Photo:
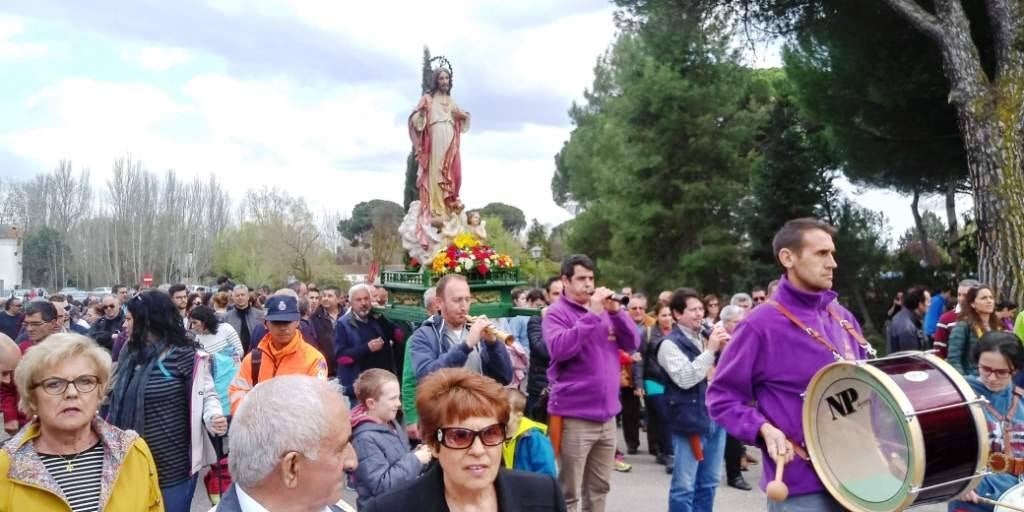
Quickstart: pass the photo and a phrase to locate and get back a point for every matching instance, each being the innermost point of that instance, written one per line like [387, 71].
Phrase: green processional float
[436, 232]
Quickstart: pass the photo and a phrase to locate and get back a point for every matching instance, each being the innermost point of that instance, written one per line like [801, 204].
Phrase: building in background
[10, 259]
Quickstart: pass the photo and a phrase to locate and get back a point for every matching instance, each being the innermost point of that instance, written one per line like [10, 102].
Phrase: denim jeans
[694, 483]
[817, 502]
[178, 497]
[963, 506]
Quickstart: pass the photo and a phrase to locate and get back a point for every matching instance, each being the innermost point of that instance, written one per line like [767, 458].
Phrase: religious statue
[476, 227]
[435, 126]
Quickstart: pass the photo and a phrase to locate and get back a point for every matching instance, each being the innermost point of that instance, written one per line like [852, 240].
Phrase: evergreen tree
[411, 166]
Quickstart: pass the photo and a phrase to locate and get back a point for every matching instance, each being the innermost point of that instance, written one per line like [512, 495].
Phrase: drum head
[859, 440]
[1013, 496]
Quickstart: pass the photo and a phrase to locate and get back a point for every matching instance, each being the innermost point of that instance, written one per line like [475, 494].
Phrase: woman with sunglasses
[462, 417]
[68, 458]
[163, 390]
[997, 356]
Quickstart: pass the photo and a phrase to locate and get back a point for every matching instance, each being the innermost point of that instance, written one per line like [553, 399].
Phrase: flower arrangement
[467, 255]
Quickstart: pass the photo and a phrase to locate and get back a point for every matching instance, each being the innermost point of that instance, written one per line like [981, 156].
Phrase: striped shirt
[226, 338]
[167, 416]
[684, 372]
[80, 484]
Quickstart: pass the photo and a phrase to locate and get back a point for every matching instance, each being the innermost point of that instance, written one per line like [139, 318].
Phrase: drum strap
[1005, 422]
[814, 334]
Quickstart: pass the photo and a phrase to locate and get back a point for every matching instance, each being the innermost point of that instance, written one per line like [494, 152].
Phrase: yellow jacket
[295, 358]
[130, 485]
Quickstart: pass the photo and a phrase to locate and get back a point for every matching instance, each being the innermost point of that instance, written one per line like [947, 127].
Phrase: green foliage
[411, 192]
[661, 156]
[878, 86]
[368, 214]
[793, 177]
[43, 249]
[537, 236]
[513, 219]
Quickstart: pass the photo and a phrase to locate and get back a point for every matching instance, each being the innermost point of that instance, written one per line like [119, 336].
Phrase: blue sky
[307, 95]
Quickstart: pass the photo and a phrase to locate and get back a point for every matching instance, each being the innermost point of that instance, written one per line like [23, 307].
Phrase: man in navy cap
[282, 351]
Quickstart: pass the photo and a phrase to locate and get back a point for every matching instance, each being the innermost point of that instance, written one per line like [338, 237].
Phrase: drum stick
[777, 489]
[998, 504]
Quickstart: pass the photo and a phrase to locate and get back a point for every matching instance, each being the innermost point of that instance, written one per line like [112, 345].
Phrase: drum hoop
[976, 412]
[915, 477]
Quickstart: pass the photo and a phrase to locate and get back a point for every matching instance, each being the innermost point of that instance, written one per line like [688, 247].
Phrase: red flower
[482, 269]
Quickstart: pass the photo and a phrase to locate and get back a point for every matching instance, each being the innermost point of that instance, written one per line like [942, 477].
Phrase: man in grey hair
[290, 447]
[948, 319]
[742, 300]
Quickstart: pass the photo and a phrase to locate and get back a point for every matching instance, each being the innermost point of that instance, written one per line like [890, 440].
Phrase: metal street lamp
[536, 252]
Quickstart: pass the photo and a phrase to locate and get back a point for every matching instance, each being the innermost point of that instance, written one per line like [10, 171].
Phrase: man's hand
[476, 332]
[779, 448]
[970, 497]
[599, 301]
[11, 427]
[637, 357]
[376, 344]
[638, 392]
[219, 425]
[719, 337]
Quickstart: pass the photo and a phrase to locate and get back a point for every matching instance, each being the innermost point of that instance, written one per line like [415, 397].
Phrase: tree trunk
[994, 157]
[953, 230]
[922, 235]
[990, 113]
[867, 324]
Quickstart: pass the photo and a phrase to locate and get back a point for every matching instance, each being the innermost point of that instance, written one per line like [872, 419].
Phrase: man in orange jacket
[282, 351]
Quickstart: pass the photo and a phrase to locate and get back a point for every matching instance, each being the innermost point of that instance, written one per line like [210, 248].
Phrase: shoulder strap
[256, 361]
[803, 327]
[863, 342]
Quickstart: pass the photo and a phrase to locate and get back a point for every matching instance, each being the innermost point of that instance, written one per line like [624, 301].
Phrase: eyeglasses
[1002, 373]
[110, 306]
[712, 304]
[34, 324]
[57, 385]
[458, 438]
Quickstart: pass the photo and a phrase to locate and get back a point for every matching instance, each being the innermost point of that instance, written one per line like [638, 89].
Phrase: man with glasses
[41, 320]
[759, 296]
[11, 318]
[60, 303]
[179, 295]
[107, 328]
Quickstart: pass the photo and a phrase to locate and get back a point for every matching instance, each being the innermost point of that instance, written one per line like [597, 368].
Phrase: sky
[304, 95]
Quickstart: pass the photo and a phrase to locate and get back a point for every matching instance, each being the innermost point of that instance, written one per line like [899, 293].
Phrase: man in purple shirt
[584, 330]
[770, 362]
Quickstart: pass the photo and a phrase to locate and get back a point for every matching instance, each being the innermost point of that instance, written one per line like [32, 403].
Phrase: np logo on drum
[843, 403]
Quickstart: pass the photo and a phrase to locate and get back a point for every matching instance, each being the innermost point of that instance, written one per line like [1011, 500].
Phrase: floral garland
[466, 255]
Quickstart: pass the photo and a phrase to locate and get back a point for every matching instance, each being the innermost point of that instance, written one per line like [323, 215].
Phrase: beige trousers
[585, 463]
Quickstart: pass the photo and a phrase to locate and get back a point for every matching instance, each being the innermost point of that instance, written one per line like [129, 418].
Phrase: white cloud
[157, 58]
[10, 49]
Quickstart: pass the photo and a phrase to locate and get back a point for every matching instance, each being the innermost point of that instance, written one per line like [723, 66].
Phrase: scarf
[128, 396]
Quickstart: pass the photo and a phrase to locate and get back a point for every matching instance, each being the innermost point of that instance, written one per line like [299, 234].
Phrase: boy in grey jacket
[385, 461]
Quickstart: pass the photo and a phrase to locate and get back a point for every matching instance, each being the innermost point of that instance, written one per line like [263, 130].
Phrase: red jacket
[940, 341]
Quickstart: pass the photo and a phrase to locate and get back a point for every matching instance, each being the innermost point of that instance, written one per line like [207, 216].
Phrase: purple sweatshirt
[770, 362]
[584, 368]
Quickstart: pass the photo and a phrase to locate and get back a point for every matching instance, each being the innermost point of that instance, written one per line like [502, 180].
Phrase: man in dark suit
[281, 471]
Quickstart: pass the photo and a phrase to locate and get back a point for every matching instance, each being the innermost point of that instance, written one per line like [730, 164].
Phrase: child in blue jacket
[528, 447]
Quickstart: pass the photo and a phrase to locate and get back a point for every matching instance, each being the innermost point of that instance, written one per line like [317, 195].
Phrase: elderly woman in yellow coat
[67, 458]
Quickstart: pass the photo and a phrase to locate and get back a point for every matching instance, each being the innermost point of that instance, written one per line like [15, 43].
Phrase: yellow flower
[465, 241]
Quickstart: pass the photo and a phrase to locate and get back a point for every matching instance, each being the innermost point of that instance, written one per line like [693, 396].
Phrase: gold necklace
[68, 462]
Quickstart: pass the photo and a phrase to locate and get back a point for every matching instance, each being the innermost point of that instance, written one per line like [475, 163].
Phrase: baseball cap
[282, 308]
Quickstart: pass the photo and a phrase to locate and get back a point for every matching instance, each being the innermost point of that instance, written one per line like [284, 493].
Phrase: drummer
[756, 393]
[998, 355]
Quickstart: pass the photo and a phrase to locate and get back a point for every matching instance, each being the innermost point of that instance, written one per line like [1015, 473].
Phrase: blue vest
[686, 409]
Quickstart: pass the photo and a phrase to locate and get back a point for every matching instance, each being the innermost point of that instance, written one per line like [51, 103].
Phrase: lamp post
[535, 252]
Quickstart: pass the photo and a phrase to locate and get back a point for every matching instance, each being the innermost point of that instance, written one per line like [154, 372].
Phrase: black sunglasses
[459, 438]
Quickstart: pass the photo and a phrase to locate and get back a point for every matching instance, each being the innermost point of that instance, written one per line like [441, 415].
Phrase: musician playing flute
[998, 355]
[756, 392]
[449, 340]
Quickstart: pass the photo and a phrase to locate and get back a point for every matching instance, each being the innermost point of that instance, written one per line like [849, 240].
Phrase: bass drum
[1014, 496]
[887, 433]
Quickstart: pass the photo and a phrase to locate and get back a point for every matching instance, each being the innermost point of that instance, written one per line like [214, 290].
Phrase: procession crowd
[286, 397]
